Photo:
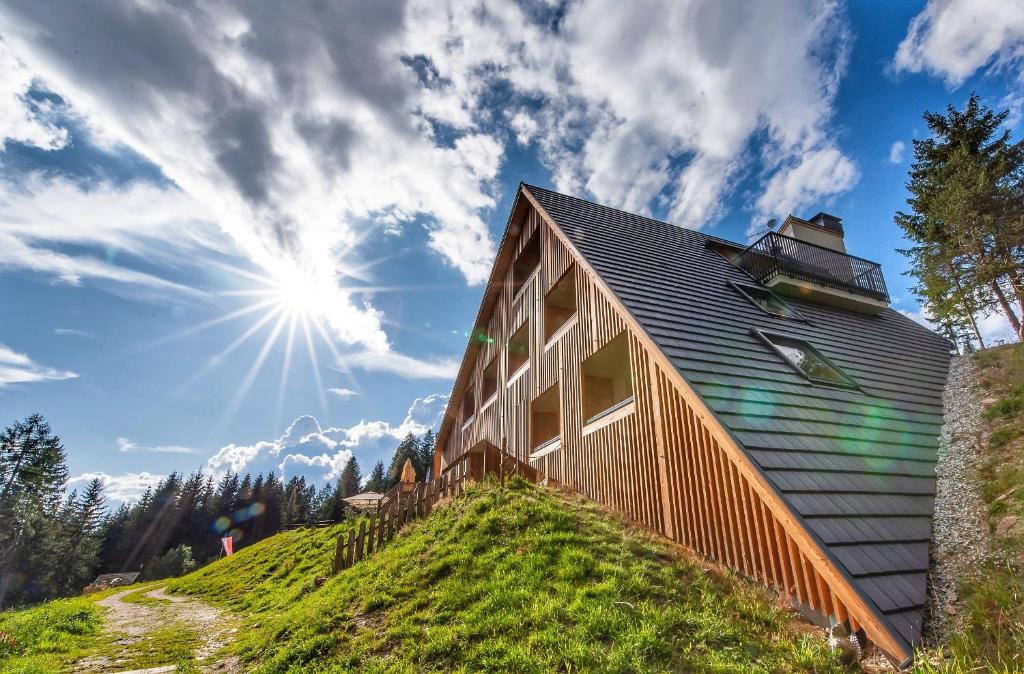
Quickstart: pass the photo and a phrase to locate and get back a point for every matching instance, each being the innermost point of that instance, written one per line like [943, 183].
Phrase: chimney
[822, 229]
[829, 222]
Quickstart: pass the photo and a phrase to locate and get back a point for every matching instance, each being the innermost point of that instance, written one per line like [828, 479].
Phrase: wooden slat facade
[665, 460]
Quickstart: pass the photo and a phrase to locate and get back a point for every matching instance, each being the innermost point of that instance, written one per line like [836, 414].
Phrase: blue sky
[181, 189]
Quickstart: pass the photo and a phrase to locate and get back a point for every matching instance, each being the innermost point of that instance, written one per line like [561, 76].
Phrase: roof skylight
[808, 360]
[767, 301]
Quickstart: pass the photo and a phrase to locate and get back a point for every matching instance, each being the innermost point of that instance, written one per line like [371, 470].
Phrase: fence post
[350, 546]
[381, 523]
[370, 533]
[339, 553]
[359, 541]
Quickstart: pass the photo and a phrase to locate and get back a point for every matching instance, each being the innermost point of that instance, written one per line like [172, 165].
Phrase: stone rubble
[960, 537]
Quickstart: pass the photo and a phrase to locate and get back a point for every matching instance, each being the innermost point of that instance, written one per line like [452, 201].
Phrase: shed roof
[856, 466]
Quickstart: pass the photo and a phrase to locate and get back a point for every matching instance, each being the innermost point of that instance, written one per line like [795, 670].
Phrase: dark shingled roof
[857, 466]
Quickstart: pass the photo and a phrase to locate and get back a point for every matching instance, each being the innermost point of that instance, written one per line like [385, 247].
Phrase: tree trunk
[969, 310]
[1007, 309]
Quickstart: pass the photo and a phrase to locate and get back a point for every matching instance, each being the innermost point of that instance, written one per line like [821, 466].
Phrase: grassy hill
[989, 632]
[520, 580]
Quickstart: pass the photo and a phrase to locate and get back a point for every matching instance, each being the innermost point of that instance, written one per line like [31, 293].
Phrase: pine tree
[81, 538]
[425, 455]
[351, 478]
[967, 219]
[378, 481]
[33, 473]
[408, 448]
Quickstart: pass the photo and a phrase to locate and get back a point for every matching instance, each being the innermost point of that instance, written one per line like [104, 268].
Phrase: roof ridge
[631, 214]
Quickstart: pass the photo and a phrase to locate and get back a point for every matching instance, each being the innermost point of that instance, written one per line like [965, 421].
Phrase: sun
[299, 294]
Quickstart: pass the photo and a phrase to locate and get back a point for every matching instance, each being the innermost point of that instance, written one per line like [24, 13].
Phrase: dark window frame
[848, 383]
[586, 395]
[513, 373]
[567, 275]
[741, 289]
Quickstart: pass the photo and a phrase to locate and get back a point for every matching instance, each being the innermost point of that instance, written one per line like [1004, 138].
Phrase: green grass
[988, 630]
[45, 638]
[514, 580]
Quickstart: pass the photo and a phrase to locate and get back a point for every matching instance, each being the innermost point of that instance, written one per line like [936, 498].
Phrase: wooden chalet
[760, 404]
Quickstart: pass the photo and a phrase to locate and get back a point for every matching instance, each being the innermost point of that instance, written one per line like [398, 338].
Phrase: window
[607, 384]
[560, 304]
[519, 349]
[808, 360]
[766, 300]
[490, 383]
[468, 404]
[545, 419]
[528, 260]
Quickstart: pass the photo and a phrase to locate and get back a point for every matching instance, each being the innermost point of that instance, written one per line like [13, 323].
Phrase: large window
[490, 382]
[808, 360]
[519, 349]
[560, 304]
[545, 419]
[527, 262]
[767, 301]
[607, 384]
[468, 404]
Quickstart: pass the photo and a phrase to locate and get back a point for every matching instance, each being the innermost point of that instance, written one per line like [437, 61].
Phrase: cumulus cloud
[122, 488]
[955, 38]
[343, 393]
[896, 152]
[319, 453]
[18, 368]
[811, 179]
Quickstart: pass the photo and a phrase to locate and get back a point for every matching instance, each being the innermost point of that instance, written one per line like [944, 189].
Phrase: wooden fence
[397, 507]
[405, 502]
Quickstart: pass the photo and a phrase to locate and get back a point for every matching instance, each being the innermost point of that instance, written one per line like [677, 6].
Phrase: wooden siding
[666, 462]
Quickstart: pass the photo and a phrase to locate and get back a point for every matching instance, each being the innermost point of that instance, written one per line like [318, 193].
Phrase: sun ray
[218, 358]
[285, 367]
[236, 400]
[238, 313]
[311, 348]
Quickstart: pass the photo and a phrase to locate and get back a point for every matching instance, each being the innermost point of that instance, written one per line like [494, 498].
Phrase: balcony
[804, 269]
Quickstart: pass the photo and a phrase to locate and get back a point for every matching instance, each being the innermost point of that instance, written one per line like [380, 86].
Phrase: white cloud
[291, 128]
[955, 38]
[400, 364]
[126, 445]
[18, 368]
[320, 453]
[74, 332]
[21, 119]
[139, 220]
[524, 126]
[995, 329]
[896, 152]
[121, 488]
[343, 393]
[816, 176]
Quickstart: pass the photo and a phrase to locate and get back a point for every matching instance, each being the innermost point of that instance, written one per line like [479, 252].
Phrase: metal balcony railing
[775, 254]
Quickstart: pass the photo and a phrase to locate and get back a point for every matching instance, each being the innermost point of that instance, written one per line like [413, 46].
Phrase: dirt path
[130, 629]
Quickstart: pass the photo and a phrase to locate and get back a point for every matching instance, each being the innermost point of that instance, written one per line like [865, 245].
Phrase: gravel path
[127, 623]
[960, 528]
